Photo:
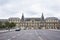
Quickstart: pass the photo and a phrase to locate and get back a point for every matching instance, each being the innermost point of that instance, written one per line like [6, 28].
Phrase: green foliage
[1, 25]
[7, 25]
[11, 25]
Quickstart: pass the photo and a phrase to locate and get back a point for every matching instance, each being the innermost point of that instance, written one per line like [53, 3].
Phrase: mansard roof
[14, 18]
[51, 18]
[36, 19]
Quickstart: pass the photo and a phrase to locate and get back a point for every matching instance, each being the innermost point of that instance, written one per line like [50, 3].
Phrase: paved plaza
[31, 35]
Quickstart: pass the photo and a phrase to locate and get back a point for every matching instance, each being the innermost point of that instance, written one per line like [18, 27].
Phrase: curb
[54, 29]
[3, 31]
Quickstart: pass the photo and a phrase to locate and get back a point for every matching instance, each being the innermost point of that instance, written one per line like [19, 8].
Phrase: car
[18, 29]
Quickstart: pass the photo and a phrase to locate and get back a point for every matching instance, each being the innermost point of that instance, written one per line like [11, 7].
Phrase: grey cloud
[13, 7]
[55, 8]
[2, 2]
[30, 13]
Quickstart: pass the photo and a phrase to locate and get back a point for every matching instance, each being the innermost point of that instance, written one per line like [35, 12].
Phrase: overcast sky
[30, 8]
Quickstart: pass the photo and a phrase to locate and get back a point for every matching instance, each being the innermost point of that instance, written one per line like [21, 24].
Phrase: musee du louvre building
[36, 23]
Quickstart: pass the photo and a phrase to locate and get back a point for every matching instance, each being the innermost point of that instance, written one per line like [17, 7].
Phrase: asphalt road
[31, 35]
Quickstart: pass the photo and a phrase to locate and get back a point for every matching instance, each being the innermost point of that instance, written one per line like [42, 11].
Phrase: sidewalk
[7, 30]
[3, 31]
[54, 29]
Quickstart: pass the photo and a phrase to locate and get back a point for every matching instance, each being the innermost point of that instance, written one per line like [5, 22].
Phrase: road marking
[9, 39]
[13, 36]
[38, 35]
[40, 38]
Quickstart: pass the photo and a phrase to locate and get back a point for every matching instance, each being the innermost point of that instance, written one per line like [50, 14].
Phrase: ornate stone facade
[37, 23]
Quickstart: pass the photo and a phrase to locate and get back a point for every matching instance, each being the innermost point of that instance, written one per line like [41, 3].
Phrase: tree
[0, 25]
[7, 24]
[12, 25]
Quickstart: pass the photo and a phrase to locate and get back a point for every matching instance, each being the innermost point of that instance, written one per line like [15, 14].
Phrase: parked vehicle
[17, 29]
